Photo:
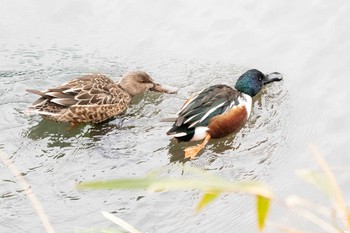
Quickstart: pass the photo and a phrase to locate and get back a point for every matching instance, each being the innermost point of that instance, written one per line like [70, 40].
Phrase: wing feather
[86, 90]
[64, 101]
[201, 107]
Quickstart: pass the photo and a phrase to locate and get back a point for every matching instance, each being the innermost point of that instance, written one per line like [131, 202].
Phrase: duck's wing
[86, 90]
[201, 107]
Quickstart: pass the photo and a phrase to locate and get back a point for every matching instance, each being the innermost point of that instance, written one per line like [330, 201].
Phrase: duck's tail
[170, 119]
[36, 92]
[32, 110]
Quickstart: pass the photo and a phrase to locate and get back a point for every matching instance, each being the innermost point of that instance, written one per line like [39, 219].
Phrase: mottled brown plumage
[92, 98]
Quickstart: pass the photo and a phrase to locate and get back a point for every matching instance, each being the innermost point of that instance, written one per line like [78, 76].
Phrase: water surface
[189, 45]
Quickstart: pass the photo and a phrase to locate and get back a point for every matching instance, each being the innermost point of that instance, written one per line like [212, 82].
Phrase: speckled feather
[90, 98]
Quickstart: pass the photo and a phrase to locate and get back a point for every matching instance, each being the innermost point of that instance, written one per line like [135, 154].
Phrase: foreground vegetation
[212, 186]
[334, 219]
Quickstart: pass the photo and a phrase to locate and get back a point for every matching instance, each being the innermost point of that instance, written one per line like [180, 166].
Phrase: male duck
[218, 110]
[93, 98]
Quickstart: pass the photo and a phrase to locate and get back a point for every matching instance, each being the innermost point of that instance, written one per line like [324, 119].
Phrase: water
[189, 45]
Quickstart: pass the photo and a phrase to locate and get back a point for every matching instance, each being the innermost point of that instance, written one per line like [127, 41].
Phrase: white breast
[246, 100]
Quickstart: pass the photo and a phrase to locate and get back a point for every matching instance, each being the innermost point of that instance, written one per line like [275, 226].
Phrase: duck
[218, 110]
[93, 98]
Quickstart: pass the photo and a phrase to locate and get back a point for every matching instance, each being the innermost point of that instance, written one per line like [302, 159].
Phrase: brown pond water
[190, 45]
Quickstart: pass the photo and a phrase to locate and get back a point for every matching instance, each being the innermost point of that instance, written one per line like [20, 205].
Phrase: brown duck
[93, 98]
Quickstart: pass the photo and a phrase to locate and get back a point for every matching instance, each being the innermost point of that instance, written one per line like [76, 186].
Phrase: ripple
[55, 157]
[190, 45]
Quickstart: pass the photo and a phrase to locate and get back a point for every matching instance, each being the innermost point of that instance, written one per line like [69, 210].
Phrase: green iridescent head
[253, 80]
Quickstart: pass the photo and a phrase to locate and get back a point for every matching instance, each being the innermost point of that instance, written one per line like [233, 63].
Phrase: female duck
[218, 110]
[93, 98]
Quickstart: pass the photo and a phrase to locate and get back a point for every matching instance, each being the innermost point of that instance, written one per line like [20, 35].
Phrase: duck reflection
[215, 147]
[65, 135]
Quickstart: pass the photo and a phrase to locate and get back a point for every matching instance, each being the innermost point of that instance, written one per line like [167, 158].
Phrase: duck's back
[90, 98]
[218, 109]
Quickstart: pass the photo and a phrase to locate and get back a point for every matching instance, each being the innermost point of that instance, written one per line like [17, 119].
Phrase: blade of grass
[262, 209]
[139, 183]
[212, 186]
[28, 191]
[318, 221]
[120, 222]
[295, 201]
[156, 183]
[201, 173]
[304, 208]
[317, 179]
[338, 196]
[206, 200]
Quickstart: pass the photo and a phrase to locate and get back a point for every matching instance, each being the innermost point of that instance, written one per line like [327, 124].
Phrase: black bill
[272, 77]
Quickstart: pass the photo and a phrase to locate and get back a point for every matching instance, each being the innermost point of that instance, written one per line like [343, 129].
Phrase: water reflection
[214, 147]
[65, 135]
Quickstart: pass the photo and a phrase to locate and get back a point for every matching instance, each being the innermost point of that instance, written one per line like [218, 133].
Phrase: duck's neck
[127, 88]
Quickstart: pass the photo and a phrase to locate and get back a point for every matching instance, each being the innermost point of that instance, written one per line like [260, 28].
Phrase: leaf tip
[262, 208]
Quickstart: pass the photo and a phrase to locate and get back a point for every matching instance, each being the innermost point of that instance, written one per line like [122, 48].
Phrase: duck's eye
[260, 79]
[143, 80]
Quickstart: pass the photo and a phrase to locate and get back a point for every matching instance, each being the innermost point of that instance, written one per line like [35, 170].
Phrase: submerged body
[92, 98]
[218, 110]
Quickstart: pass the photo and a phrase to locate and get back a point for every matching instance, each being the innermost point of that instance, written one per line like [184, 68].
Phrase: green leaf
[209, 183]
[262, 209]
[206, 199]
[206, 182]
[140, 183]
[157, 183]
